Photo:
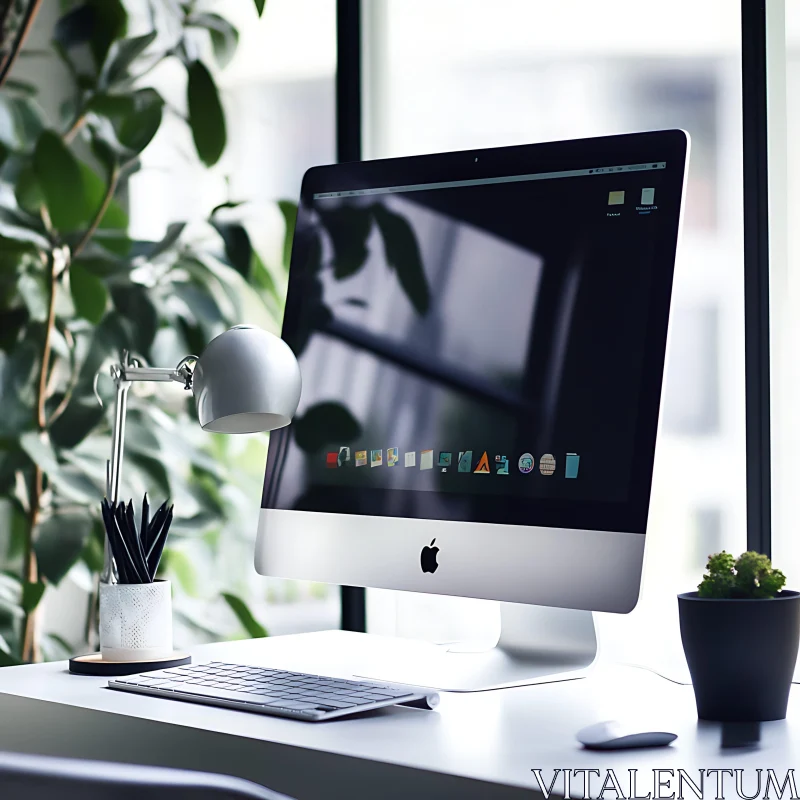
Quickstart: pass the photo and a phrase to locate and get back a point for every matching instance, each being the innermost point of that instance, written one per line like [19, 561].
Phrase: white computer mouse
[613, 735]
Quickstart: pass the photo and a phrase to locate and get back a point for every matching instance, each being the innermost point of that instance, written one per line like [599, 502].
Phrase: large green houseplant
[76, 289]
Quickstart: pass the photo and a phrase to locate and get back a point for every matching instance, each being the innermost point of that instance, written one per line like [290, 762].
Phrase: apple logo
[427, 558]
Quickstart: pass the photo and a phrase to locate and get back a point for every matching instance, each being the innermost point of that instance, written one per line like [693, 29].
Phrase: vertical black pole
[756, 274]
[348, 148]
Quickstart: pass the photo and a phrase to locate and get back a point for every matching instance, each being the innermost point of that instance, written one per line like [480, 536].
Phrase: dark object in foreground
[36, 777]
[137, 553]
[741, 654]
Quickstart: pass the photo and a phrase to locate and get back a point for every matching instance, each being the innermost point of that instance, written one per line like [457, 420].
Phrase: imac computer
[481, 337]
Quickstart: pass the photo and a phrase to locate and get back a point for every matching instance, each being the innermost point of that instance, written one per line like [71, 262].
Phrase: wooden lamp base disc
[93, 664]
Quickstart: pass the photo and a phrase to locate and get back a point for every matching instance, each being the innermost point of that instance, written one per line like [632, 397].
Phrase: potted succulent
[740, 633]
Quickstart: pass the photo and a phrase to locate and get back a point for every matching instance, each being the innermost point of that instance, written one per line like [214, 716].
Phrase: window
[783, 59]
[454, 74]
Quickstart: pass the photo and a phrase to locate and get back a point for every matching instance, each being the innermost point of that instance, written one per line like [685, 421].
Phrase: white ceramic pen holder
[135, 621]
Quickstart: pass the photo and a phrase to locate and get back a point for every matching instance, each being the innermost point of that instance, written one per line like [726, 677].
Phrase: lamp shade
[247, 380]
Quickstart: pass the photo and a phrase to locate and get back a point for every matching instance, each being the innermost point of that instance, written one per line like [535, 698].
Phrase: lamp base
[95, 664]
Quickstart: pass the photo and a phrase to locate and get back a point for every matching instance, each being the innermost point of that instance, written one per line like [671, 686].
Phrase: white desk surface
[479, 745]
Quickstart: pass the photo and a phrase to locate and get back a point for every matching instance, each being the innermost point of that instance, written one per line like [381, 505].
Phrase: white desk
[473, 746]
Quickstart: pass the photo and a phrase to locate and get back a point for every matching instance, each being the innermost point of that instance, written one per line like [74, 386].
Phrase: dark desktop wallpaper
[472, 353]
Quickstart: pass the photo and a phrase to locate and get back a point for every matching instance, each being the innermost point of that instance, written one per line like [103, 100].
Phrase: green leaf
[96, 22]
[20, 87]
[93, 554]
[88, 293]
[33, 289]
[253, 627]
[59, 542]
[260, 6]
[261, 278]
[150, 250]
[324, 424]
[135, 118]
[8, 660]
[104, 266]
[69, 480]
[200, 303]
[19, 228]
[4, 646]
[289, 211]
[94, 192]
[139, 315]
[75, 27]
[176, 563]
[224, 36]
[81, 416]
[38, 447]
[59, 175]
[121, 56]
[141, 124]
[55, 648]
[28, 192]
[403, 256]
[114, 241]
[21, 122]
[31, 595]
[17, 387]
[206, 117]
[111, 22]
[238, 248]
[192, 526]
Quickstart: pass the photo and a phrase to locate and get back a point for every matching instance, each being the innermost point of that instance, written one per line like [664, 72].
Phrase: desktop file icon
[571, 468]
[465, 461]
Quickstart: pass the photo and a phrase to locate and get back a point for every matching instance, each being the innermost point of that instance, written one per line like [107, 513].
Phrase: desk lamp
[247, 380]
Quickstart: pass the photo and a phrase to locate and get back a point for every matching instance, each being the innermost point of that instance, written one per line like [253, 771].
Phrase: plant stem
[30, 645]
[30, 14]
[113, 179]
[79, 122]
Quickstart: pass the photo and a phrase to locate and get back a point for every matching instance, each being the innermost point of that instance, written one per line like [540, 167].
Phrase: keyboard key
[222, 694]
[298, 705]
[337, 703]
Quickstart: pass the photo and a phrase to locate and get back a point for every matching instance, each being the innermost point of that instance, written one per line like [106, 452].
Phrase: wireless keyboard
[277, 692]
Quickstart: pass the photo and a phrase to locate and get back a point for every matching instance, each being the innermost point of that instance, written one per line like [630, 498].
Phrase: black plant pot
[741, 654]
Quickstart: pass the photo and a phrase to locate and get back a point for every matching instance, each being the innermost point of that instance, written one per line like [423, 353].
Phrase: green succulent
[751, 576]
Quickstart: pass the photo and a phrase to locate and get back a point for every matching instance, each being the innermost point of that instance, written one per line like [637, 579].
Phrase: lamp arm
[181, 374]
[123, 375]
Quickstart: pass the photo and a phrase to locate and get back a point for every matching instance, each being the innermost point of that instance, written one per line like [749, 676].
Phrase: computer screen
[477, 349]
